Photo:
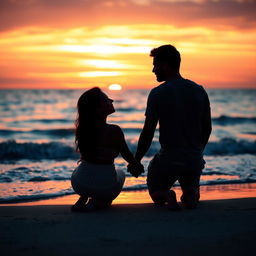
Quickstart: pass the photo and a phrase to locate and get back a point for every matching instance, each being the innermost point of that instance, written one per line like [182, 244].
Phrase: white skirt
[97, 180]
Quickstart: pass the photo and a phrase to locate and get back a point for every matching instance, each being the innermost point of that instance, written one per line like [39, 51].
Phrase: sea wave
[45, 120]
[127, 110]
[58, 133]
[230, 146]
[67, 132]
[225, 146]
[50, 132]
[230, 120]
[12, 150]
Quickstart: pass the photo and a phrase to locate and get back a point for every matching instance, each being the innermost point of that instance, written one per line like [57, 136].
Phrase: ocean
[37, 152]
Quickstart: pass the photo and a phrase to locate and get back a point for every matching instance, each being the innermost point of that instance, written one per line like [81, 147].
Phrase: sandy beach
[216, 227]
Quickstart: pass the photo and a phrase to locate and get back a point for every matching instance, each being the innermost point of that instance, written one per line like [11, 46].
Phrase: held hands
[135, 169]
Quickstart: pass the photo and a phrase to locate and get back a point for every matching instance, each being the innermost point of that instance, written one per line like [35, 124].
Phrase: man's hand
[135, 169]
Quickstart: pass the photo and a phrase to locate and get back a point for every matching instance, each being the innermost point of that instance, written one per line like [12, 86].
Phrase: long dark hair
[88, 122]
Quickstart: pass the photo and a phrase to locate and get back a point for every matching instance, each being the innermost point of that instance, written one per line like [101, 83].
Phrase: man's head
[166, 62]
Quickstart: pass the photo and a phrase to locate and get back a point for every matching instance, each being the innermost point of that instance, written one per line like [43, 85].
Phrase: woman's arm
[124, 150]
[134, 167]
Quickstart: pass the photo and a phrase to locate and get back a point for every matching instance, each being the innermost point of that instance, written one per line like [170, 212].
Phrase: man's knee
[158, 197]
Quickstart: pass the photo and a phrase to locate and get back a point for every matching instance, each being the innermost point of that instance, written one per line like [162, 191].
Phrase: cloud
[78, 56]
[73, 43]
[68, 14]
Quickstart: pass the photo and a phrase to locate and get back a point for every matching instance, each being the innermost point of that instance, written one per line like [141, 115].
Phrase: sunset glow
[218, 49]
[115, 87]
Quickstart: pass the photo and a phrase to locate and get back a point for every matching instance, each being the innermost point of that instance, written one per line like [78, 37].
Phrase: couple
[182, 109]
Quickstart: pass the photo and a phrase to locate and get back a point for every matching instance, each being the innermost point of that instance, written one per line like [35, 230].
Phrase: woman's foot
[83, 207]
[80, 204]
[92, 205]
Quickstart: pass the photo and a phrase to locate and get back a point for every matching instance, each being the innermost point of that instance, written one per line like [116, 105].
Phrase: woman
[99, 143]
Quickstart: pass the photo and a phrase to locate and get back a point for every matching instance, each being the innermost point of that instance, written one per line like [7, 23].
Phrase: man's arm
[207, 130]
[207, 124]
[146, 137]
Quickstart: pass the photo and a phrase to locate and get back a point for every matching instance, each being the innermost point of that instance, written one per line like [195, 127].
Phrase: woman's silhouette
[98, 143]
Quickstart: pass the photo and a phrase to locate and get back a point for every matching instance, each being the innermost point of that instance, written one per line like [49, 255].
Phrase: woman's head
[93, 107]
[95, 104]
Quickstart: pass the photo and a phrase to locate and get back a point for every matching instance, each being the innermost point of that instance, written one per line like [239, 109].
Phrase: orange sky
[85, 43]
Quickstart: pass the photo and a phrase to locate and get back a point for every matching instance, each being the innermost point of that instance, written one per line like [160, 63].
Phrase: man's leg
[159, 181]
[158, 197]
[189, 197]
[159, 190]
[190, 189]
[163, 197]
[158, 185]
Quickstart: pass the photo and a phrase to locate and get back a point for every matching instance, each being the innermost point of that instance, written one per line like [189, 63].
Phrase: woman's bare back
[108, 144]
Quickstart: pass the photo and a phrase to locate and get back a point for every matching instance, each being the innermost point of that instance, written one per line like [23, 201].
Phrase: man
[182, 109]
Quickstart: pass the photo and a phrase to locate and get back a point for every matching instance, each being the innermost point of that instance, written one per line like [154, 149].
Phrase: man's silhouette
[182, 109]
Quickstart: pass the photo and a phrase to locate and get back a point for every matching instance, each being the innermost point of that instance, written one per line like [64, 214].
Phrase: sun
[115, 87]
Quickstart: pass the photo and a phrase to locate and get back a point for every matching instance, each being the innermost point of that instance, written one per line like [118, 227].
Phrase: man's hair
[168, 54]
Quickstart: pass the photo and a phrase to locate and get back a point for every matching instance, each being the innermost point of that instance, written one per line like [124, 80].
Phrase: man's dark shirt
[183, 110]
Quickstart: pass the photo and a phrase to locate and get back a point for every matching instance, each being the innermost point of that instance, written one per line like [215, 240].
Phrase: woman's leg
[120, 183]
[82, 200]
[104, 199]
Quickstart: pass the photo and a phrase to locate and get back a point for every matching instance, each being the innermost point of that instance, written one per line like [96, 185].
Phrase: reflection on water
[219, 177]
[214, 192]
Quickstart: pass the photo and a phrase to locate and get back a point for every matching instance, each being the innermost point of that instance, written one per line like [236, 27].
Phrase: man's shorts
[163, 173]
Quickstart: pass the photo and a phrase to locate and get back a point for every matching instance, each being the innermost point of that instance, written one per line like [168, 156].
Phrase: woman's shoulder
[115, 128]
